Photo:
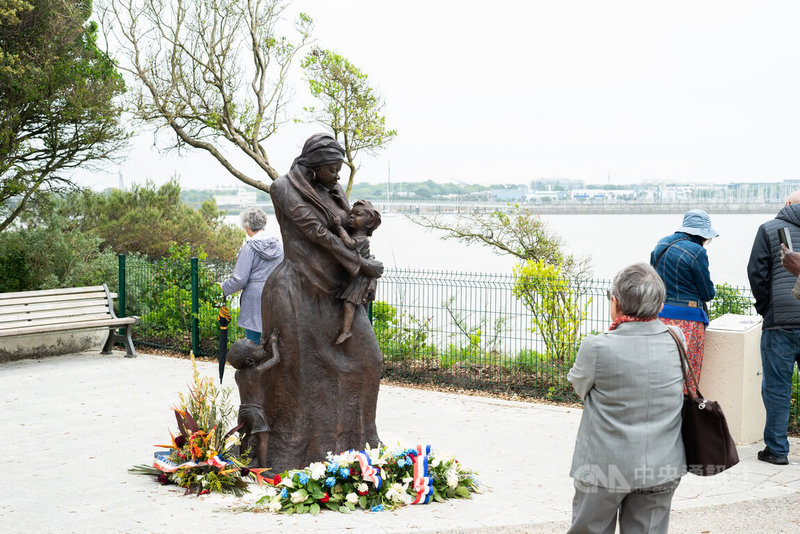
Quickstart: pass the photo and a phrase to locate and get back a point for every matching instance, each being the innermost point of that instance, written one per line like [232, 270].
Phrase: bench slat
[50, 306]
[67, 309]
[54, 320]
[45, 299]
[74, 313]
[52, 292]
[88, 325]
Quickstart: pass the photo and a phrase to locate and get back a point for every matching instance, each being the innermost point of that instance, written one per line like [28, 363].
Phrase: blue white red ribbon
[368, 472]
[423, 483]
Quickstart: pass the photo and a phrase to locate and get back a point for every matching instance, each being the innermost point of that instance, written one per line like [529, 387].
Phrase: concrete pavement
[71, 426]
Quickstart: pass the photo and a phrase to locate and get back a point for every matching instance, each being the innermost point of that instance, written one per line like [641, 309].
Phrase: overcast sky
[510, 91]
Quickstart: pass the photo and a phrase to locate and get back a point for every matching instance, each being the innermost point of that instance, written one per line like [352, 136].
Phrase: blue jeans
[780, 349]
[253, 336]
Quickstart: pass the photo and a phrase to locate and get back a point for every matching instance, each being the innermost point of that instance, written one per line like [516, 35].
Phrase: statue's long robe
[321, 397]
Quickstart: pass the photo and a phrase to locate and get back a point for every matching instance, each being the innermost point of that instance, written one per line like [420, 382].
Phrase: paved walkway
[71, 426]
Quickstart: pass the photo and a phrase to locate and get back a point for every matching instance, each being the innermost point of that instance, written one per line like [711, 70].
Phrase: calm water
[611, 241]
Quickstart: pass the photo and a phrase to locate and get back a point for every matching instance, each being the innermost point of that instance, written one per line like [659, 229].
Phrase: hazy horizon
[614, 92]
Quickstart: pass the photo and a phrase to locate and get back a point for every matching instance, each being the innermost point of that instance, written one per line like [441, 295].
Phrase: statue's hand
[372, 268]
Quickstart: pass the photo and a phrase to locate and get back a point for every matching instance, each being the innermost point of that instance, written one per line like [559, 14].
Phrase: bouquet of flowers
[200, 457]
[372, 479]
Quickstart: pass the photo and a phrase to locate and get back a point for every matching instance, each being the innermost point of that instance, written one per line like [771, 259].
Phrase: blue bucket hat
[697, 222]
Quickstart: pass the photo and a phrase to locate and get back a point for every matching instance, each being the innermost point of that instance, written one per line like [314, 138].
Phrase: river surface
[611, 241]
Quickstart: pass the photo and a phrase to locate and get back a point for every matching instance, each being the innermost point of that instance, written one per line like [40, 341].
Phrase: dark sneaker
[767, 456]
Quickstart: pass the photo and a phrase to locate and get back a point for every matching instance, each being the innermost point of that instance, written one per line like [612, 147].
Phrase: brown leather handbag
[706, 439]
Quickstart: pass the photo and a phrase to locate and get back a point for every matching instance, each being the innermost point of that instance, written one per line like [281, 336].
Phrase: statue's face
[328, 174]
[359, 218]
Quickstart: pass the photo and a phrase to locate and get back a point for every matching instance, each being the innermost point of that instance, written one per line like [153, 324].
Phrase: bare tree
[214, 71]
[515, 231]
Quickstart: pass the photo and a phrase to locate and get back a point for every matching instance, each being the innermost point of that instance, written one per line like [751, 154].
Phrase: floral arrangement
[200, 457]
[372, 479]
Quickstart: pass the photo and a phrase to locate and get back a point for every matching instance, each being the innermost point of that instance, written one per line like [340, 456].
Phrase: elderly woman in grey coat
[257, 259]
[629, 455]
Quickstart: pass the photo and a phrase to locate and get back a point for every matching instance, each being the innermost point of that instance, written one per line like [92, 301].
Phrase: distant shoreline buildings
[551, 196]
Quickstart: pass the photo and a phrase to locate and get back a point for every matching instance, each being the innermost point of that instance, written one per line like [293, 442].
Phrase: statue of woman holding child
[321, 396]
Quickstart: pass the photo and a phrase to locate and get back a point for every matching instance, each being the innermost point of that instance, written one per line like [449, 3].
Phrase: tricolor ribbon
[423, 483]
[162, 462]
[368, 472]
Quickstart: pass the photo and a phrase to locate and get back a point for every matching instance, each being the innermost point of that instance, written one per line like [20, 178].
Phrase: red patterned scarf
[629, 319]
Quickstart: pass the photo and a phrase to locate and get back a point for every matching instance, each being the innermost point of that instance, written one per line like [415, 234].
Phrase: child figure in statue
[364, 219]
[251, 362]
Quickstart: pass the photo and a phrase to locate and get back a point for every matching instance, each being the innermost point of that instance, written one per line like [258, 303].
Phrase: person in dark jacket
[791, 262]
[681, 261]
[257, 259]
[772, 285]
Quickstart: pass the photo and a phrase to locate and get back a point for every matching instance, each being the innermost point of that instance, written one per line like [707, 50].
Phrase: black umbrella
[224, 317]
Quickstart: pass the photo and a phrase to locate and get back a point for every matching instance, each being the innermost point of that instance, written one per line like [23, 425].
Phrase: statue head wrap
[318, 150]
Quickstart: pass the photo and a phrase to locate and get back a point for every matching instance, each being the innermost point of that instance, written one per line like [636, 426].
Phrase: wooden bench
[60, 310]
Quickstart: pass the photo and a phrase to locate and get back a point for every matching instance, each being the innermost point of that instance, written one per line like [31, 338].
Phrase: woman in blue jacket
[681, 261]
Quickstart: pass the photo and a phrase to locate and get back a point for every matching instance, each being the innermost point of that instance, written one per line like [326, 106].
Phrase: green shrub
[400, 337]
[531, 361]
[728, 299]
[167, 303]
[49, 255]
[554, 303]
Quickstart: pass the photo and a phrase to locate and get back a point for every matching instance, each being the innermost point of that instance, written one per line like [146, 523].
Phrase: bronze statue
[252, 362]
[364, 218]
[321, 396]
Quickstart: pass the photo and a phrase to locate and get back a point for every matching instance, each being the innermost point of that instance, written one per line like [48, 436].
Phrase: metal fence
[463, 330]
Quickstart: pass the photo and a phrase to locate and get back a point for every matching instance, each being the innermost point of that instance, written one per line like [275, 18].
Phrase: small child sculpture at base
[251, 362]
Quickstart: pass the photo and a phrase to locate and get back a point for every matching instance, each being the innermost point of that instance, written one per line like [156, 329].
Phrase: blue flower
[401, 462]
[344, 472]
[377, 508]
[302, 478]
[332, 467]
[284, 493]
[330, 482]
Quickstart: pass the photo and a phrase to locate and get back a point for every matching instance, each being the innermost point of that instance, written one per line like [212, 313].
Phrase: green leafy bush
[168, 302]
[728, 299]
[400, 337]
[47, 254]
[531, 361]
[555, 305]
